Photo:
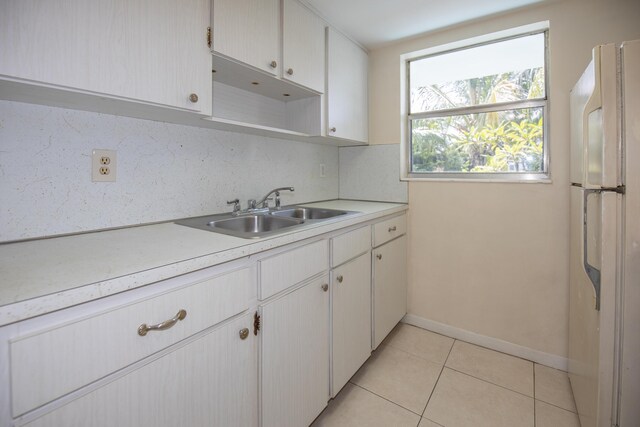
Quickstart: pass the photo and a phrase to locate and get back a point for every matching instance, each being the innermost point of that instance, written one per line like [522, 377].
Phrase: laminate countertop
[41, 276]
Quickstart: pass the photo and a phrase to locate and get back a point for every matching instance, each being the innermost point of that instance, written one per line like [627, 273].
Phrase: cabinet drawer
[389, 229]
[286, 269]
[349, 245]
[51, 363]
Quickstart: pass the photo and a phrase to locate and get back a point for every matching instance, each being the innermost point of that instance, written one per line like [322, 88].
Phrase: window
[478, 111]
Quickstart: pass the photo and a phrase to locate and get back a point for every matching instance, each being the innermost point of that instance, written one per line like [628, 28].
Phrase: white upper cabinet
[153, 51]
[248, 31]
[347, 81]
[303, 43]
[251, 32]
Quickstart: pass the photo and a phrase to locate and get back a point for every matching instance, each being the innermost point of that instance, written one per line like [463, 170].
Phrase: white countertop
[40, 276]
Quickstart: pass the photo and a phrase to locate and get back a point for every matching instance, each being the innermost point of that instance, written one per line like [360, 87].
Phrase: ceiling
[376, 22]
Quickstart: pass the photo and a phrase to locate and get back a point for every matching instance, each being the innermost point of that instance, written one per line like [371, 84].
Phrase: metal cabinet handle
[244, 333]
[340, 278]
[379, 256]
[332, 129]
[290, 71]
[325, 287]
[144, 328]
[392, 229]
[273, 64]
[193, 98]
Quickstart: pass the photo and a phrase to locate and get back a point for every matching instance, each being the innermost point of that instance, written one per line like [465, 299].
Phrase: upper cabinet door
[248, 31]
[146, 50]
[347, 81]
[303, 46]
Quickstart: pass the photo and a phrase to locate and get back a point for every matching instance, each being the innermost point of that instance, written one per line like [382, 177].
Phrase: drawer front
[349, 245]
[389, 229]
[284, 270]
[59, 360]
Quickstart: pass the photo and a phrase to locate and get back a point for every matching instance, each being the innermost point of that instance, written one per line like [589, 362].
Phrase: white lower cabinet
[211, 381]
[295, 355]
[351, 319]
[389, 287]
[263, 341]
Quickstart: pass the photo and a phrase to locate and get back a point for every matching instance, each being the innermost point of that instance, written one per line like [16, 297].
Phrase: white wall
[493, 258]
[164, 171]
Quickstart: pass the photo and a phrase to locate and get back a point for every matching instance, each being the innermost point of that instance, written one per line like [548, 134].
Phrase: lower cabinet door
[389, 287]
[209, 382]
[295, 356]
[351, 319]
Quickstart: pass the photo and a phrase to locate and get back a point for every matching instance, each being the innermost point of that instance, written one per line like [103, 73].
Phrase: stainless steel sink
[249, 225]
[254, 224]
[245, 226]
[308, 213]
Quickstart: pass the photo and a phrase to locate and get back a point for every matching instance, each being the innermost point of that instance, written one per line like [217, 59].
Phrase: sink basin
[253, 224]
[308, 213]
[245, 226]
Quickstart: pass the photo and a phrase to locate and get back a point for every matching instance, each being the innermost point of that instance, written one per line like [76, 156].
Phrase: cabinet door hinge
[256, 323]
[209, 41]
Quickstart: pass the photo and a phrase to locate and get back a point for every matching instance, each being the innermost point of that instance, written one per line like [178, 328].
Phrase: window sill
[493, 180]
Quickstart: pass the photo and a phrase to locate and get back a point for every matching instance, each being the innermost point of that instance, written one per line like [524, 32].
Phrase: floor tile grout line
[488, 382]
[534, 393]
[559, 407]
[437, 380]
[382, 397]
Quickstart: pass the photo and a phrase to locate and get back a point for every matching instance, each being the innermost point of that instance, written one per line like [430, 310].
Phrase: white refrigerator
[604, 307]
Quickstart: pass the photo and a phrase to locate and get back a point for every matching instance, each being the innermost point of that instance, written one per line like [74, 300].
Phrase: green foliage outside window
[508, 140]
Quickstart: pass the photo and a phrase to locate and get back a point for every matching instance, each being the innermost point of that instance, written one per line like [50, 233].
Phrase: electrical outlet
[103, 166]
[323, 173]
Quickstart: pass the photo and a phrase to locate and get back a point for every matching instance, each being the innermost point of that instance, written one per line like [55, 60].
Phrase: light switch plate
[103, 166]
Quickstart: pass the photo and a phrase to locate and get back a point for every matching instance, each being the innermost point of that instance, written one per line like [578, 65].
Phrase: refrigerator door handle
[592, 272]
[594, 103]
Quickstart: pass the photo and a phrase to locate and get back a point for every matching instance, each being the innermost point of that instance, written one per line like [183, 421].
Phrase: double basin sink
[254, 225]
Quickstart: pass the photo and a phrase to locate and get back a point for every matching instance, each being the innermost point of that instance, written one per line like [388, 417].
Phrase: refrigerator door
[584, 320]
[595, 112]
[580, 95]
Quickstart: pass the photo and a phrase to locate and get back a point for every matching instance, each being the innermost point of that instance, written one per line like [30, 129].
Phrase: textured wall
[372, 173]
[164, 171]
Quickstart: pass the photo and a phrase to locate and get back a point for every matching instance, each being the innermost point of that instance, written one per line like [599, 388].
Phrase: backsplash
[372, 173]
[164, 171]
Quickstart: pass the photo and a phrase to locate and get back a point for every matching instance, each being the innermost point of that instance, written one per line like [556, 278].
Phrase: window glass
[479, 111]
[502, 141]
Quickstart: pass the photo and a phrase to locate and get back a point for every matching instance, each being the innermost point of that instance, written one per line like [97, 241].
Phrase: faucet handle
[235, 203]
[265, 204]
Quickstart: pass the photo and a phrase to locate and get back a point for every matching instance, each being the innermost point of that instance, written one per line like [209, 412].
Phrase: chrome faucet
[264, 202]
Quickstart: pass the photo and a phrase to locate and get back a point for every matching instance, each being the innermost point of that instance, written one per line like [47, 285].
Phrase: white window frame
[405, 134]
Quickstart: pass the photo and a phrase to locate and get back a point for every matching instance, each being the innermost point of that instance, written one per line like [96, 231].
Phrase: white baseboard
[551, 360]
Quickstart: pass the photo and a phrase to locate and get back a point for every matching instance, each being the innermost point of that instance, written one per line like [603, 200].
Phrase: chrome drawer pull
[144, 328]
[392, 229]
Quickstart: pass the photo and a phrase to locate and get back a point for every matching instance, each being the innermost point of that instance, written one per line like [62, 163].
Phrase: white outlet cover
[96, 165]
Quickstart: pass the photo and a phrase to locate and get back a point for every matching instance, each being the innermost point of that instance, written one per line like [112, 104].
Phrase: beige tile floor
[417, 378]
